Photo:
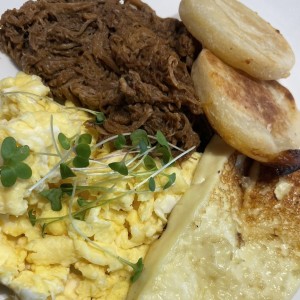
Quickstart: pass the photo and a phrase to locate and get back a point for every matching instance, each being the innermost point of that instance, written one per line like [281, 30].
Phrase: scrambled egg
[65, 263]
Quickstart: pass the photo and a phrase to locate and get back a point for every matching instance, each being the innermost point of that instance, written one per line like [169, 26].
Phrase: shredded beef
[118, 58]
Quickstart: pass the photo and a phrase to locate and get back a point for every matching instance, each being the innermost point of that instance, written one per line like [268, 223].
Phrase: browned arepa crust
[259, 118]
[120, 59]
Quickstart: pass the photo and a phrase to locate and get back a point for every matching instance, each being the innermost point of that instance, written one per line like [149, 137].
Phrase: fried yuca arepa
[239, 36]
[238, 236]
[258, 118]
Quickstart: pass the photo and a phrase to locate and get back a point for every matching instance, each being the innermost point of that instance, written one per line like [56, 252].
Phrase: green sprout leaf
[149, 163]
[143, 146]
[161, 139]
[44, 229]
[81, 160]
[165, 153]
[119, 167]
[83, 150]
[80, 215]
[120, 142]
[13, 165]
[67, 188]
[171, 180]
[23, 170]
[139, 137]
[164, 148]
[64, 141]
[82, 202]
[21, 153]
[32, 217]
[152, 184]
[65, 171]
[8, 176]
[8, 148]
[138, 268]
[85, 138]
[79, 156]
[54, 196]
[100, 118]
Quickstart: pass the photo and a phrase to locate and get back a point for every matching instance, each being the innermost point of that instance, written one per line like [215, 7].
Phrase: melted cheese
[168, 267]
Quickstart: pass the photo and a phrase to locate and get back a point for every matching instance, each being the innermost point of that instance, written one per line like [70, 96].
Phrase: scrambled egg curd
[71, 241]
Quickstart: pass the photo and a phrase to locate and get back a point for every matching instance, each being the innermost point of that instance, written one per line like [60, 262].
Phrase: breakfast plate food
[282, 16]
[67, 235]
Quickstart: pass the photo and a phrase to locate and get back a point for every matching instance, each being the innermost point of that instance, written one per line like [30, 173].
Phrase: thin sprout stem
[130, 161]
[79, 232]
[117, 153]
[112, 155]
[88, 187]
[63, 159]
[142, 155]
[111, 138]
[171, 145]
[50, 219]
[95, 203]
[86, 169]
[110, 174]
[53, 137]
[135, 166]
[97, 162]
[47, 154]
[32, 95]
[93, 112]
[165, 166]
[142, 173]
[7, 94]
[99, 174]
[22, 92]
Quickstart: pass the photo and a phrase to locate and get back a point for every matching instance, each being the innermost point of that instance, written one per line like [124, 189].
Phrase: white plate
[283, 15]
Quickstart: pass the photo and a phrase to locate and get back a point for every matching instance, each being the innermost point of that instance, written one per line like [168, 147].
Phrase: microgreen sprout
[171, 180]
[139, 159]
[66, 171]
[64, 141]
[161, 139]
[152, 184]
[32, 217]
[53, 137]
[54, 196]
[120, 142]
[100, 118]
[83, 152]
[137, 267]
[85, 138]
[139, 138]
[13, 166]
[120, 167]
[150, 163]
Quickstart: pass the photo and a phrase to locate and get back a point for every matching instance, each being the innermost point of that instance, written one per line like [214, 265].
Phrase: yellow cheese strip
[164, 250]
